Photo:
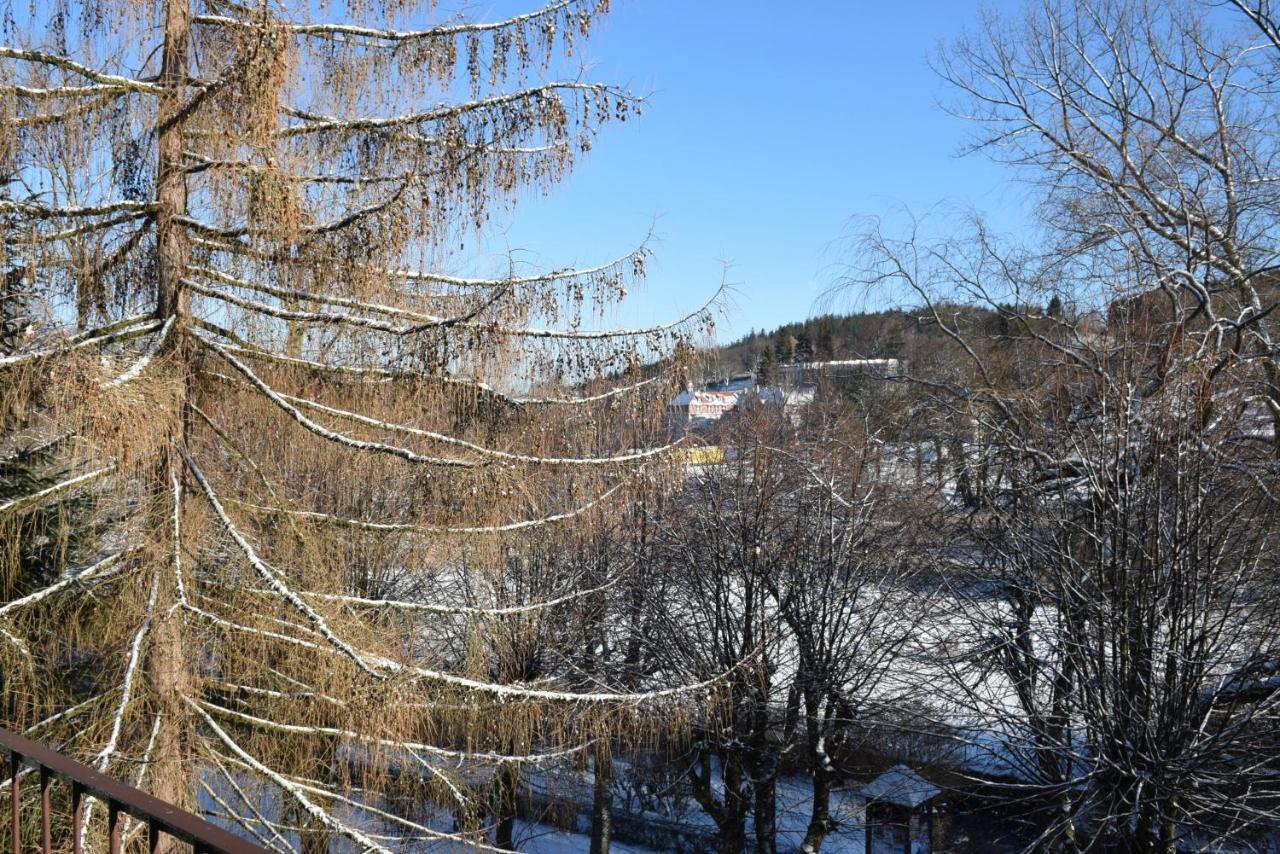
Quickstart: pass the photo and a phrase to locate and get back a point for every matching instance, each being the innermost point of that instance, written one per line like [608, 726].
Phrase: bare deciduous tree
[1115, 637]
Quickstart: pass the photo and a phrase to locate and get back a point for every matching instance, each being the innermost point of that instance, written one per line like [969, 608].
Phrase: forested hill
[831, 336]
[874, 335]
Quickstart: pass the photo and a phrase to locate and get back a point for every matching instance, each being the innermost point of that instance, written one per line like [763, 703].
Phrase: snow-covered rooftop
[901, 786]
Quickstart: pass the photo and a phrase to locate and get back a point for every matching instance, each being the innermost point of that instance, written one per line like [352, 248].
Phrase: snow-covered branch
[269, 575]
[121, 330]
[409, 527]
[67, 64]
[492, 453]
[49, 492]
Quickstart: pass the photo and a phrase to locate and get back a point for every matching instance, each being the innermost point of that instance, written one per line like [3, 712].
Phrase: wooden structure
[901, 809]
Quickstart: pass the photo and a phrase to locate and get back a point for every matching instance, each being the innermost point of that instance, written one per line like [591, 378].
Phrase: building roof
[900, 786]
[719, 398]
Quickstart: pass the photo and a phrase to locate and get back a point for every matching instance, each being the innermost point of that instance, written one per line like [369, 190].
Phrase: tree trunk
[764, 779]
[504, 807]
[816, 729]
[171, 185]
[731, 816]
[602, 805]
[766, 813]
[820, 818]
[733, 833]
[170, 773]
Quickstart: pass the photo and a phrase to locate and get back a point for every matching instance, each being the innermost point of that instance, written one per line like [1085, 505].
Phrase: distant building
[842, 369]
[737, 382]
[702, 406]
[705, 407]
[798, 396]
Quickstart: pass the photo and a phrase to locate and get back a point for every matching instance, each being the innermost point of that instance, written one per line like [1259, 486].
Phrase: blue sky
[768, 126]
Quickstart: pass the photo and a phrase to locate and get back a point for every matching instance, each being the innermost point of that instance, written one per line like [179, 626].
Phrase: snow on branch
[413, 746]
[121, 330]
[269, 575]
[422, 320]
[308, 786]
[429, 321]
[15, 504]
[103, 759]
[40, 238]
[493, 453]
[520, 692]
[496, 689]
[179, 582]
[67, 64]
[35, 210]
[346, 31]
[202, 163]
[461, 610]
[98, 569]
[70, 711]
[324, 433]
[296, 316]
[135, 370]
[248, 802]
[318, 123]
[126, 690]
[406, 527]
[244, 821]
[37, 93]
[634, 260]
[250, 630]
[380, 374]
[293, 790]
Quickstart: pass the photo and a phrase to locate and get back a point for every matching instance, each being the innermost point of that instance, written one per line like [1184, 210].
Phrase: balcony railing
[159, 817]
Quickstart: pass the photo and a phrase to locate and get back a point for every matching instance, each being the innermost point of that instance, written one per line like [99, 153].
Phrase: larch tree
[307, 452]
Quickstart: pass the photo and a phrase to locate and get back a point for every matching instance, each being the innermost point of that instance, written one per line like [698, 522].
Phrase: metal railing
[159, 817]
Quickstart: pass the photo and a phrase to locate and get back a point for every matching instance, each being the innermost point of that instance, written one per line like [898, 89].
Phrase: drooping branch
[103, 759]
[269, 575]
[408, 527]
[633, 261]
[382, 374]
[36, 210]
[333, 436]
[445, 439]
[101, 568]
[294, 791]
[447, 31]
[38, 238]
[461, 610]
[49, 492]
[68, 64]
[398, 820]
[410, 746]
[315, 123]
[140, 364]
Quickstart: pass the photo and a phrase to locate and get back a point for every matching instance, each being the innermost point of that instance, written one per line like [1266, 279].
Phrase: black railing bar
[176, 822]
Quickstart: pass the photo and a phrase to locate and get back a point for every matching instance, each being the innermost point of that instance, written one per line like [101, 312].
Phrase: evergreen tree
[767, 368]
[803, 351]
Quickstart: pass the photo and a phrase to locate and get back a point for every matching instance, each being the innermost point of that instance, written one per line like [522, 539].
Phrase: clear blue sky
[769, 125]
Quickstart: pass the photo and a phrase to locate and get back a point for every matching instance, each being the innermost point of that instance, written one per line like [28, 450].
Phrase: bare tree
[716, 609]
[792, 557]
[1116, 630]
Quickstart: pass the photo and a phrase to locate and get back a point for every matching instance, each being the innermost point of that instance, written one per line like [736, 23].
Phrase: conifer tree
[317, 448]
